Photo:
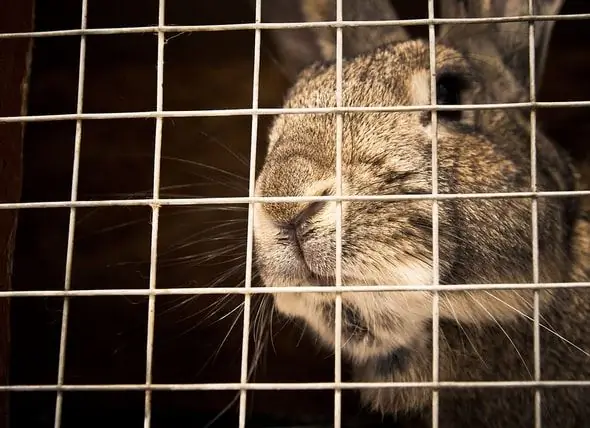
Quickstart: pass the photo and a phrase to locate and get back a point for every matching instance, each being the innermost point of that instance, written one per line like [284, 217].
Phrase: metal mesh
[156, 202]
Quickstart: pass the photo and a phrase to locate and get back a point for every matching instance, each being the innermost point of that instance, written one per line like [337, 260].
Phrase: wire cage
[133, 294]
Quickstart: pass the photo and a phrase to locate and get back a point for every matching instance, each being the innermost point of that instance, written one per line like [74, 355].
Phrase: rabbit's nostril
[306, 214]
[290, 215]
[300, 227]
[303, 214]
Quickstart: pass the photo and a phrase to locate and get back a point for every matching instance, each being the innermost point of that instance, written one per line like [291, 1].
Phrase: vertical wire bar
[534, 216]
[435, 243]
[149, 351]
[338, 221]
[72, 220]
[250, 227]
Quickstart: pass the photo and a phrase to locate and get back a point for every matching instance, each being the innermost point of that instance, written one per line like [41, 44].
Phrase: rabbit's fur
[387, 336]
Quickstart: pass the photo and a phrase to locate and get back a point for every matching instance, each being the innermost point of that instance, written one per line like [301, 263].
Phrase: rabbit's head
[390, 153]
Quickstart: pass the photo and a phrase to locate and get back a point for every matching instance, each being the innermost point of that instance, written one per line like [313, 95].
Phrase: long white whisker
[240, 306]
[541, 325]
[206, 166]
[530, 305]
[164, 213]
[451, 307]
[196, 260]
[235, 154]
[189, 240]
[229, 236]
[504, 331]
[231, 328]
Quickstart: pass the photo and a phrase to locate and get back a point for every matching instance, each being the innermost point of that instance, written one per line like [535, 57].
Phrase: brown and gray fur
[387, 336]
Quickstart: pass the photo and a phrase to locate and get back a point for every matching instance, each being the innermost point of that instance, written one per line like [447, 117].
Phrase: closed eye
[449, 88]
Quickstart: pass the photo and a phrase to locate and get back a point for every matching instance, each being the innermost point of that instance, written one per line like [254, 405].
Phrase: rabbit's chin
[374, 324]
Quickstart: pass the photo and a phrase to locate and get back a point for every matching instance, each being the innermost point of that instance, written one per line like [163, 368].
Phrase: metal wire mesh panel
[249, 200]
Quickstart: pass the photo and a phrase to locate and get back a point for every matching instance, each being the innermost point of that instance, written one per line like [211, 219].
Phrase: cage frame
[156, 203]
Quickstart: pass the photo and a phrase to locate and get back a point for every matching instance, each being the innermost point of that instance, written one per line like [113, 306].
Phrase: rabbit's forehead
[396, 75]
[393, 75]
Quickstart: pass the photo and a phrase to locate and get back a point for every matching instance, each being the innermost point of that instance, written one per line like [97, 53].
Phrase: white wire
[292, 25]
[534, 218]
[278, 199]
[286, 290]
[72, 221]
[300, 386]
[276, 111]
[435, 219]
[250, 227]
[155, 217]
[338, 226]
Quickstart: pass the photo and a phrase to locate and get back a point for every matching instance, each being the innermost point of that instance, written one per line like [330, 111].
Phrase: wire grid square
[156, 202]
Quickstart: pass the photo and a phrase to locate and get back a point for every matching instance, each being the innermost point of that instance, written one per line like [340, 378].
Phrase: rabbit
[485, 335]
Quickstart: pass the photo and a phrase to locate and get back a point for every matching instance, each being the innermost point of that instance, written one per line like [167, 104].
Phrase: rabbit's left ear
[510, 38]
[299, 47]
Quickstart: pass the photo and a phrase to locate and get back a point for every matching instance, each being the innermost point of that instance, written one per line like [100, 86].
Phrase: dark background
[198, 247]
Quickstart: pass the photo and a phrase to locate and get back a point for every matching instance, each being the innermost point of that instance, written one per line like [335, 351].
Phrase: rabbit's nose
[293, 215]
[303, 221]
[300, 229]
[296, 229]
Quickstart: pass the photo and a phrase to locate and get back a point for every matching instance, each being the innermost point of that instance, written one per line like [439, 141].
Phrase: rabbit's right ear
[510, 39]
[299, 48]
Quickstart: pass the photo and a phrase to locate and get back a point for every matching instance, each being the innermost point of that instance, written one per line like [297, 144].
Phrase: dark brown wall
[15, 17]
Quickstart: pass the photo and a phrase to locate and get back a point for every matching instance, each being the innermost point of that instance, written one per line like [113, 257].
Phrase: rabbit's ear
[301, 47]
[511, 39]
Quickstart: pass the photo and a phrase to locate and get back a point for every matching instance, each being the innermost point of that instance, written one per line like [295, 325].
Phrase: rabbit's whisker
[211, 258]
[207, 167]
[503, 330]
[235, 233]
[235, 154]
[586, 353]
[452, 308]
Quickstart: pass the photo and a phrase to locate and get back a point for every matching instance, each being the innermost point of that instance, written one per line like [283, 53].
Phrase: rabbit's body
[387, 336]
[499, 352]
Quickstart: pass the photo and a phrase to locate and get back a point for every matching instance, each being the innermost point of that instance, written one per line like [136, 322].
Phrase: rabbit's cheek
[296, 305]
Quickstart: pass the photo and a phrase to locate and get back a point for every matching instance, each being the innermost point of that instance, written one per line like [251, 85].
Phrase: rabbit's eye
[448, 91]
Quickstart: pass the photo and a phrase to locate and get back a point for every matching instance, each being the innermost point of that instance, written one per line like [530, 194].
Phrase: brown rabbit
[485, 335]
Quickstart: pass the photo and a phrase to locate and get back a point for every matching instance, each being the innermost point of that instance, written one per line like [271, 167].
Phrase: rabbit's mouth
[354, 327]
[372, 324]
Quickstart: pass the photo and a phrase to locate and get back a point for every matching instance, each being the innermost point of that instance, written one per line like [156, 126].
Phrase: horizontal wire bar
[290, 386]
[293, 289]
[291, 25]
[275, 111]
[289, 199]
